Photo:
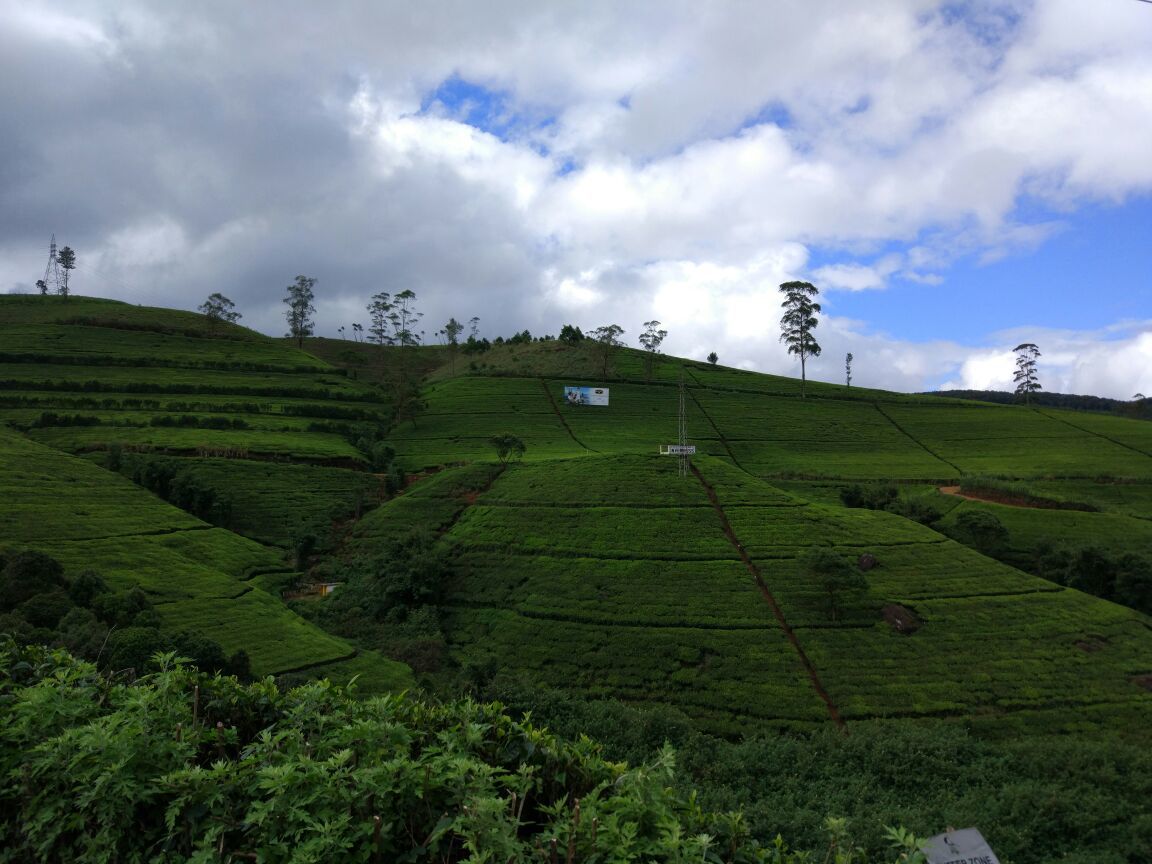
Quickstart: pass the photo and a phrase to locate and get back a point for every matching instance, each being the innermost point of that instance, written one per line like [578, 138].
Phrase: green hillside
[590, 565]
[232, 426]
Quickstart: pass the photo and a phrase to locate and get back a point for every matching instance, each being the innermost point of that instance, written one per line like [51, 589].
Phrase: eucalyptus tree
[378, 311]
[650, 340]
[219, 308]
[798, 322]
[300, 308]
[67, 259]
[605, 342]
[1025, 377]
[451, 332]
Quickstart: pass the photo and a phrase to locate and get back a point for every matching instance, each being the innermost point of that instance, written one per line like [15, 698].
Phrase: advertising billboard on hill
[586, 395]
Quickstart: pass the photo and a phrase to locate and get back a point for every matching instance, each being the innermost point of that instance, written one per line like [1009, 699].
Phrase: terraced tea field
[591, 565]
[654, 597]
[198, 576]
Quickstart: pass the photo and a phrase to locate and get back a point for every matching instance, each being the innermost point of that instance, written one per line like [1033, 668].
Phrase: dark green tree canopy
[606, 340]
[508, 447]
[571, 335]
[67, 259]
[834, 574]
[300, 308]
[651, 339]
[219, 308]
[1026, 381]
[798, 322]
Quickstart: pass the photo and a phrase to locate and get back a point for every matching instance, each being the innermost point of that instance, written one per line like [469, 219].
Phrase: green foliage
[1025, 376]
[219, 308]
[508, 447]
[982, 530]
[871, 497]
[835, 575]
[300, 308]
[798, 322]
[570, 335]
[605, 343]
[181, 766]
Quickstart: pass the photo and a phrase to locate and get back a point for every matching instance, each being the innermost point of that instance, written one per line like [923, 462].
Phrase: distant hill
[1140, 409]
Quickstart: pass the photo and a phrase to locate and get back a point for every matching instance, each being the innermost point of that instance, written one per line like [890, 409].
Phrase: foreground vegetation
[206, 769]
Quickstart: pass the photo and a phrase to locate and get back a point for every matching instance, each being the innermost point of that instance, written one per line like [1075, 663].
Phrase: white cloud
[692, 157]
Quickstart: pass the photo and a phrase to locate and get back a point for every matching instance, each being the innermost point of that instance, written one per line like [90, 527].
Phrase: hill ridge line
[833, 711]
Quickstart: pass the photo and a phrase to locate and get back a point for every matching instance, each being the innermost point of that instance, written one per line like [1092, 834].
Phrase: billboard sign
[966, 846]
[586, 395]
[678, 450]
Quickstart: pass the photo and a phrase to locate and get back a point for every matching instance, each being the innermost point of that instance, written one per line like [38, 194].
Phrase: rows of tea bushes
[198, 578]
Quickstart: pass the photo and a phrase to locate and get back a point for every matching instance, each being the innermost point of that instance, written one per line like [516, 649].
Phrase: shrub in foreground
[180, 766]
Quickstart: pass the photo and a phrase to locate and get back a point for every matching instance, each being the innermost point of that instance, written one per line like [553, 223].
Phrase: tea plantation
[216, 468]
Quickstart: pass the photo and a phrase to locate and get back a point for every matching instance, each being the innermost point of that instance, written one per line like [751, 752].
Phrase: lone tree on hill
[651, 339]
[605, 342]
[378, 311]
[834, 574]
[300, 309]
[219, 308]
[67, 259]
[848, 358]
[452, 331]
[1025, 377]
[42, 287]
[798, 322]
[403, 318]
[508, 447]
[713, 358]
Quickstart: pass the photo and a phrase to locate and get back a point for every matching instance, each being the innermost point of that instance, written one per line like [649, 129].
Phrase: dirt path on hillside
[833, 711]
[1007, 500]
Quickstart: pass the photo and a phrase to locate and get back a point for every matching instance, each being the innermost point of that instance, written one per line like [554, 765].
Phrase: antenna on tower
[52, 278]
[681, 449]
[682, 430]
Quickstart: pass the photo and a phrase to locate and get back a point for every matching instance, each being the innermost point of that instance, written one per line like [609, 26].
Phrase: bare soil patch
[992, 496]
[902, 619]
[1144, 681]
[1092, 644]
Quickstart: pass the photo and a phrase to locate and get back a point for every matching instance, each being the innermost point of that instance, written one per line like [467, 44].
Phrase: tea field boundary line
[158, 532]
[833, 711]
[591, 621]
[1091, 432]
[915, 440]
[561, 418]
[715, 428]
[1050, 705]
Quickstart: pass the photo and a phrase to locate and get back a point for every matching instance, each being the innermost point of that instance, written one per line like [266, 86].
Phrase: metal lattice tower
[52, 277]
[682, 430]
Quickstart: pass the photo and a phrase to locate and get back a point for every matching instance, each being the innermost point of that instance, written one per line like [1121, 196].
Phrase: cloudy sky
[955, 177]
